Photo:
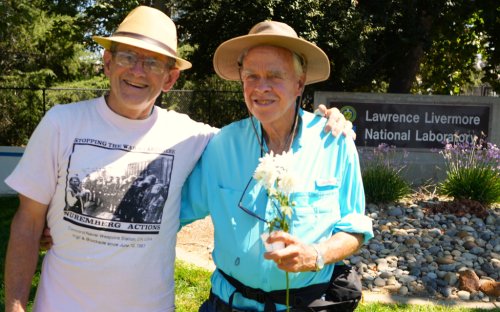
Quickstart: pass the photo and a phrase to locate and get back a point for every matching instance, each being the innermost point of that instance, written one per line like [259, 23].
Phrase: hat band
[146, 39]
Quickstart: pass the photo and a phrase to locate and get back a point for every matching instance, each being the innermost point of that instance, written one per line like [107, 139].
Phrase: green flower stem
[287, 293]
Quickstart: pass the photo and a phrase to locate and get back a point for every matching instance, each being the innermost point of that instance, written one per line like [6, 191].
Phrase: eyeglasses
[248, 211]
[130, 59]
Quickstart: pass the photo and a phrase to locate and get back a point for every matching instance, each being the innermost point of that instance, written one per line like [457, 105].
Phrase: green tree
[440, 72]
[205, 24]
[408, 35]
[489, 26]
[373, 45]
[41, 37]
[40, 46]
[102, 17]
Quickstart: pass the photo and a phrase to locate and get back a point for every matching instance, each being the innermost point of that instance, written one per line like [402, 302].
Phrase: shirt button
[237, 261]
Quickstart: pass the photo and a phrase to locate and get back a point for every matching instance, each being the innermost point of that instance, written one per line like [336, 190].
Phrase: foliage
[75, 91]
[23, 108]
[439, 73]
[210, 100]
[38, 36]
[386, 45]
[373, 45]
[20, 107]
[472, 171]
[489, 25]
[342, 33]
[101, 18]
[327, 23]
[216, 108]
[205, 24]
[382, 175]
[434, 41]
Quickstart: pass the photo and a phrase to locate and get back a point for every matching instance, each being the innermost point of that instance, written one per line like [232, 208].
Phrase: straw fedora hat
[149, 29]
[276, 34]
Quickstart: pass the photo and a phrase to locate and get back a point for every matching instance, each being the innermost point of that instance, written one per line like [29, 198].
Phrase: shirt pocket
[240, 230]
[317, 211]
[239, 206]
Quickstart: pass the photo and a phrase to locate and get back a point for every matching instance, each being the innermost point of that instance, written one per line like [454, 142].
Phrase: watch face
[319, 259]
[319, 263]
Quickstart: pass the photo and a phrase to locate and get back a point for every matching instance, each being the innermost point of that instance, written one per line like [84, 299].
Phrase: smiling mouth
[263, 102]
[135, 85]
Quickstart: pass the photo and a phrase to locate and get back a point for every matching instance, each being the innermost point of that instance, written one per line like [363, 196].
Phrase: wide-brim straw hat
[272, 33]
[150, 29]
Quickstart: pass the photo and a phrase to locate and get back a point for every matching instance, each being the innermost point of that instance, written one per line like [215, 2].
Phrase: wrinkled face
[271, 84]
[134, 89]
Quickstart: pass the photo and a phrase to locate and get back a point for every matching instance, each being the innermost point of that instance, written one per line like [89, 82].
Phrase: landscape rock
[464, 295]
[417, 251]
[468, 281]
[490, 288]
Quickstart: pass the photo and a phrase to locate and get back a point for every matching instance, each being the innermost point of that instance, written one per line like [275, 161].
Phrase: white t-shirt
[113, 188]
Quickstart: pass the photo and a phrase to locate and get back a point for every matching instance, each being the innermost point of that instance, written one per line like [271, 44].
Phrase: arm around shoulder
[22, 252]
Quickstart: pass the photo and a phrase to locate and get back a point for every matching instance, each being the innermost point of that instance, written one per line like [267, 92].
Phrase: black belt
[303, 299]
[221, 306]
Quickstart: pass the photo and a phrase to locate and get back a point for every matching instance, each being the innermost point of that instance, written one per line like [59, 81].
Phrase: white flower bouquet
[275, 174]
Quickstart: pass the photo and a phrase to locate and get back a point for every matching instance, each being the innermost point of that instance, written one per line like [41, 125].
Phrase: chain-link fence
[22, 108]
[216, 108]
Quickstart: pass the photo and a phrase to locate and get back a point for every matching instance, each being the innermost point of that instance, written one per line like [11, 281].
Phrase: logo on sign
[349, 113]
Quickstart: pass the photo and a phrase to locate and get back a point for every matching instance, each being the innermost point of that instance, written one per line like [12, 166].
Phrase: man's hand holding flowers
[295, 257]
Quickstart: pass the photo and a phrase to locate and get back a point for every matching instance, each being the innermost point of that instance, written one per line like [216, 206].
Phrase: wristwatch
[320, 263]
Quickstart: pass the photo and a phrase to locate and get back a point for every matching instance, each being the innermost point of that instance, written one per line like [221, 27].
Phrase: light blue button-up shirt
[329, 198]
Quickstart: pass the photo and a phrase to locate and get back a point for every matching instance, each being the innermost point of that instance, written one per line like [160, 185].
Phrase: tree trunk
[404, 75]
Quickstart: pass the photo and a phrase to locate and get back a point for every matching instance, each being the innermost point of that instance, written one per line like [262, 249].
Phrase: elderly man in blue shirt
[327, 221]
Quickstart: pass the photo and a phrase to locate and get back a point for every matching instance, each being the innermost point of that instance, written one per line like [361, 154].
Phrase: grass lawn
[192, 284]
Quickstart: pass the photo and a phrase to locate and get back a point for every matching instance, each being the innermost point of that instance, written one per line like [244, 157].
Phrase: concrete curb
[193, 258]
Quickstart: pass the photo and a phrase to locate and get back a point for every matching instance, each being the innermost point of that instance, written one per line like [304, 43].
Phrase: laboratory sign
[414, 125]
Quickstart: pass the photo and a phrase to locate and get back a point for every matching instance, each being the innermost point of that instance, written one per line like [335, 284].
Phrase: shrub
[472, 171]
[381, 174]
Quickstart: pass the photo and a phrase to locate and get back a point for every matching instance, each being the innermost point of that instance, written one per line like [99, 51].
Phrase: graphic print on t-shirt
[123, 191]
